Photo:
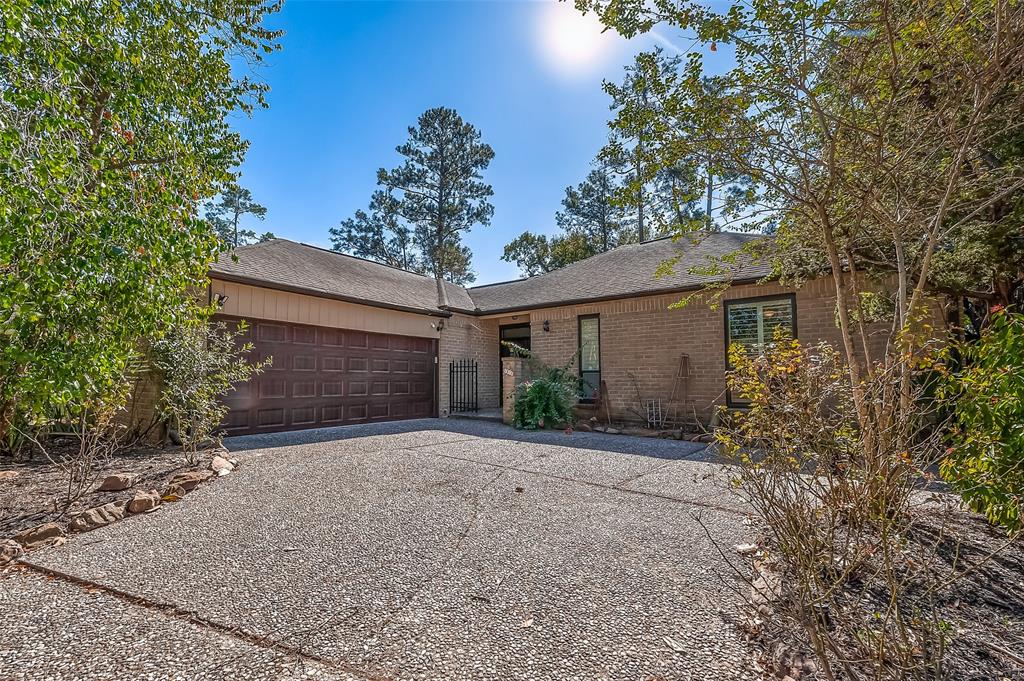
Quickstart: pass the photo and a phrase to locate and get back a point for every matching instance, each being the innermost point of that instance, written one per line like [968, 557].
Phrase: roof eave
[288, 288]
[619, 296]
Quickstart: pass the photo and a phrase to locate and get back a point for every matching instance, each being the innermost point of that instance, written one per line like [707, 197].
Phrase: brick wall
[466, 337]
[642, 340]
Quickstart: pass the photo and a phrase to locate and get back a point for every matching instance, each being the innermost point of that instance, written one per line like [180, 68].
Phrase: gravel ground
[421, 550]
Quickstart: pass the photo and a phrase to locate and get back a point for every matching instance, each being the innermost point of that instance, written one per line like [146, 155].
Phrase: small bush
[854, 584]
[543, 402]
[548, 400]
[200, 364]
[985, 460]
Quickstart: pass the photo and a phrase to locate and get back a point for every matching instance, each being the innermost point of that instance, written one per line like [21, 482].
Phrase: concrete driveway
[421, 550]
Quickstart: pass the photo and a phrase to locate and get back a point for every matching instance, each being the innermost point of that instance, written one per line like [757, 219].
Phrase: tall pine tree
[436, 196]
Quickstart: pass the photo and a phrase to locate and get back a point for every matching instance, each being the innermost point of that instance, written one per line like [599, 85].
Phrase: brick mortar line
[182, 615]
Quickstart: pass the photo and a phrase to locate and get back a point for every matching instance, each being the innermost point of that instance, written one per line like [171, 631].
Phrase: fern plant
[547, 400]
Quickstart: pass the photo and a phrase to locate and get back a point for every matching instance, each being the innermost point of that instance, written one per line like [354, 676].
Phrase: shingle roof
[624, 271]
[285, 264]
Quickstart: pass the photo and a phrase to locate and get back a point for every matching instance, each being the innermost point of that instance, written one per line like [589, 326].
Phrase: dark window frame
[502, 350]
[791, 297]
[579, 350]
[501, 339]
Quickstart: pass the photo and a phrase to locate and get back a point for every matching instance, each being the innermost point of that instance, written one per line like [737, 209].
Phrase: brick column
[513, 372]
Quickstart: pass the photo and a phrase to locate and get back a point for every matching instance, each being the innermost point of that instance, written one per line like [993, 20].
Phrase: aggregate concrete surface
[430, 549]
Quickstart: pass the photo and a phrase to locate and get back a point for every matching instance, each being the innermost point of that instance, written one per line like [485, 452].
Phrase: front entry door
[512, 333]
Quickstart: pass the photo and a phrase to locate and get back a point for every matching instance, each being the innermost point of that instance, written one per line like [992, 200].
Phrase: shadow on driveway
[618, 444]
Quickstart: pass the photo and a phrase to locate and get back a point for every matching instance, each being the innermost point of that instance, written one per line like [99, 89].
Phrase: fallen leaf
[674, 644]
[527, 623]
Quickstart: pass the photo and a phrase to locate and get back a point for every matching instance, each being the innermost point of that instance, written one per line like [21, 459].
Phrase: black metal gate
[462, 386]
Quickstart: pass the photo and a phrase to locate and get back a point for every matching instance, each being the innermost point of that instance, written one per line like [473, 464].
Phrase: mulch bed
[34, 492]
[984, 609]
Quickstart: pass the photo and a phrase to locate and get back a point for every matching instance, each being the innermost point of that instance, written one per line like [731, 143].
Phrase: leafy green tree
[870, 133]
[378, 235]
[985, 462]
[114, 128]
[226, 214]
[536, 254]
[866, 148]
[436, 195]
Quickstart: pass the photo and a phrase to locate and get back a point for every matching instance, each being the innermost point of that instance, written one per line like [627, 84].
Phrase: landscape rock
[766, 587]
[144, 502]
[219, 465]
[583, 427]
[190, 479]
[173, 493]
[10, 551]
[612, 431]
[34, 536]
[117, 482]
[98, 517]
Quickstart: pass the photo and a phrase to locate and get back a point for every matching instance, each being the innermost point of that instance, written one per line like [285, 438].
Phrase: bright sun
[572, 42]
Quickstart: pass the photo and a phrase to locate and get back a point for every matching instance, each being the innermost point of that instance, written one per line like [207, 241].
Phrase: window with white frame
[755, 323]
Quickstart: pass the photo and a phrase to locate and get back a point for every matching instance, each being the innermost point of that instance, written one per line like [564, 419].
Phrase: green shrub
[200, 364]
[547, 400]
[542, 403]
[985, 460]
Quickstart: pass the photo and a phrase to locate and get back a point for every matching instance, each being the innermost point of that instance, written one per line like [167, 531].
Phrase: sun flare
[572, 42]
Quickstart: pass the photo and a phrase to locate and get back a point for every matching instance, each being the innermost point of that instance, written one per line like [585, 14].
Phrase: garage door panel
[272, 333]
[357, 340]
[270, 418]
[332, 338]
[326, 377]
[304, 335]
[304, 388]
[332, 363]
[303, 416]
[272, 387]
[303, 362]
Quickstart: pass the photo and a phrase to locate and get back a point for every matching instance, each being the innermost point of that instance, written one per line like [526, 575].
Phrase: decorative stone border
[143, 501]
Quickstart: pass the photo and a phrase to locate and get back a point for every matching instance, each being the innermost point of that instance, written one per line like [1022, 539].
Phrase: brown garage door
[331, 377]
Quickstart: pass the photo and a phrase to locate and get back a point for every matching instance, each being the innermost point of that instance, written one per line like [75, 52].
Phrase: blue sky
[352, 76]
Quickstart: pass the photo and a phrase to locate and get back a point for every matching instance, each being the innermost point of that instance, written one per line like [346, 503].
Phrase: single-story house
[355, 341]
